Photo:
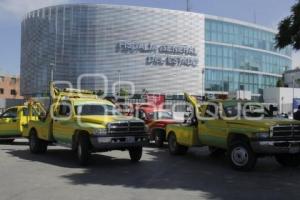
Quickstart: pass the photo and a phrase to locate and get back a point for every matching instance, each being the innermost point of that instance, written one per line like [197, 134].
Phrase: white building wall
[292, 76]
[281, 96]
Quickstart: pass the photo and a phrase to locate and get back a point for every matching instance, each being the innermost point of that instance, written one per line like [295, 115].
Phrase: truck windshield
[246, 111]
[96, 109]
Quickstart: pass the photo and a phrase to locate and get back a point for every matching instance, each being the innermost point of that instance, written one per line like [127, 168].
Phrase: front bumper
[276, 147]
[103, 143]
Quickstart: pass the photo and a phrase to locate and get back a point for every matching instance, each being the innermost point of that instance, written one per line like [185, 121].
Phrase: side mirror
[42, 116]
[273, 109]
[143, 116]
[186, 117]
[194, 121]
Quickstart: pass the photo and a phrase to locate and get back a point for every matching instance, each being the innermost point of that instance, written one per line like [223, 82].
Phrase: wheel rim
[157, 139]
[239, 156]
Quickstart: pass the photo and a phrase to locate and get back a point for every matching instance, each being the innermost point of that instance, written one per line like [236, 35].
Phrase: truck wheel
[36, 145]
[241, 156]
[159, 140]
[174, 147]
[135, 153]
[288, 160]
[83, 150]
[216, 152]
[6, 141]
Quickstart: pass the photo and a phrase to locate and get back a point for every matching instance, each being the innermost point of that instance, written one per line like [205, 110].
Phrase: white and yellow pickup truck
[85, 123]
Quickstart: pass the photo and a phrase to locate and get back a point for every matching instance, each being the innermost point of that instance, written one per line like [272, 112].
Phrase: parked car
[156, 119]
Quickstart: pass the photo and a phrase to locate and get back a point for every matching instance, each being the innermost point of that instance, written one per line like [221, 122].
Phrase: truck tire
[6, 141]
[174, 147]
[36, 145]
[135, 153]
[159, 139]
[216, 152]
[83, 150]
[241, 156]
[288, 160]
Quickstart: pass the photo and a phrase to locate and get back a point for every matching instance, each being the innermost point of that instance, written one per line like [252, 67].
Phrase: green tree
[280, 83]
[289, 29]
[100, 92]
[124, 92]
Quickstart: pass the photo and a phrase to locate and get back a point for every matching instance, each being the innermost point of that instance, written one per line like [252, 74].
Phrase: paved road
[158, 176]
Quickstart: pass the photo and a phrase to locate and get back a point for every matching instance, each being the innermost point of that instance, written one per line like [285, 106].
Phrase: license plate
[294, 150]
[130, 139]
[104, 140]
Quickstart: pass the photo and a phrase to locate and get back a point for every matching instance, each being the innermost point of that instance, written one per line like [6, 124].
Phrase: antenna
[188, 5]
[254, 16]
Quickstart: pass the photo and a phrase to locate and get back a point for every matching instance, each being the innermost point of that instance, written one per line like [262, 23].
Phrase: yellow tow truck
[245, 130]
[13, 121]
[80, 120]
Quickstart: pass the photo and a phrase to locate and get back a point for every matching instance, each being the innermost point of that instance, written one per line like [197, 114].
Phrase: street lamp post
[293, 77]
[203, 86]
[188, 5]
[282, 98]
[52, 68]
[119, 74]
[239, 87]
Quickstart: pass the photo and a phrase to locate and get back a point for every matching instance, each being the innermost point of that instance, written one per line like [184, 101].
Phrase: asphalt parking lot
[160, 176]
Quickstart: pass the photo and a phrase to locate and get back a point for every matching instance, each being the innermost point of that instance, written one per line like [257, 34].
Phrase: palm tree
[289, 29]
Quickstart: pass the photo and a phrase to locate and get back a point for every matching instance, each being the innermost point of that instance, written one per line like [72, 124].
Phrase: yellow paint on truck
[80, 120]
[13, 121]
[239, 136]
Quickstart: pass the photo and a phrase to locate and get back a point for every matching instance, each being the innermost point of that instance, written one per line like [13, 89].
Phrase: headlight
[263, 135]
[100, 131]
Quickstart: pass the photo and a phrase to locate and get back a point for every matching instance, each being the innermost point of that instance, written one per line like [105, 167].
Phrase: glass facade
[83, 39]
[242, 57]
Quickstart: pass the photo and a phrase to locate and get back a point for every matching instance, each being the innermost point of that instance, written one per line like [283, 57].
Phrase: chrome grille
[126, 127]
[286, 130]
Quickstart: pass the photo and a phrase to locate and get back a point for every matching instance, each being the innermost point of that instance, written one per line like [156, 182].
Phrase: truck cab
[86, 124]
[12, 123]
[243, 129]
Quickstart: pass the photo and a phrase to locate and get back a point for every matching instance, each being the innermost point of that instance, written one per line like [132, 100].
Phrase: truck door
[212, 129]
[23, 115]
[62, 123]
[9, 123]
[187, 135]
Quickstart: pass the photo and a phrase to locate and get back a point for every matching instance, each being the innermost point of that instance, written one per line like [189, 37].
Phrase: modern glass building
[160, 51]
[241, 56]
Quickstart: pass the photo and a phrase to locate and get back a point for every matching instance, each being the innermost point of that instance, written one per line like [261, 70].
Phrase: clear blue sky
[267, 12]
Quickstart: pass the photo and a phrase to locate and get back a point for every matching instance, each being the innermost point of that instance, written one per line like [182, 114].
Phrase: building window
[2, 78]
[13, 92]
[1, 91]
[13, 80]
